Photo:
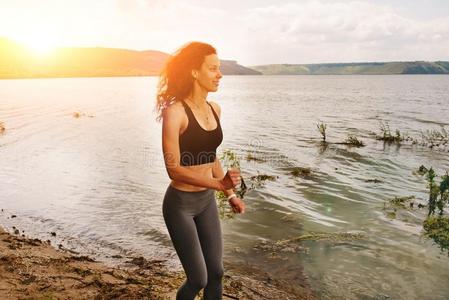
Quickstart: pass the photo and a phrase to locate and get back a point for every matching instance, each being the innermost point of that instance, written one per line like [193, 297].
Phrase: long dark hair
[175, 79]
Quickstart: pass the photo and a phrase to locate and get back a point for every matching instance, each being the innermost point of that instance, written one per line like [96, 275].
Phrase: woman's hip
[192, 203]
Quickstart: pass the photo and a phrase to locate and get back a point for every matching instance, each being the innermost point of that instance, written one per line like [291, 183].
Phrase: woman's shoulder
[216, 107]
[174, 110]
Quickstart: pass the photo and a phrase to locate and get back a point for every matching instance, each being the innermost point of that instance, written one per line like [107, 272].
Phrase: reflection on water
[99, 181]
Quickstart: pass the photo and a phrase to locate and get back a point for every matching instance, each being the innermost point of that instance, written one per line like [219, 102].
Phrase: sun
[39, 45]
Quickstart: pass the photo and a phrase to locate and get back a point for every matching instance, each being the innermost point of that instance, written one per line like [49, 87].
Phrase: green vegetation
[230, 160]
[430, 138]
[322, 129]
[319, 236]
[434, 138]
[376, 68]
[437, 227]
[262, 177]
[401, 201]
[295, 244]
[395, 205]
[386, 135]
[374, 180]
[300, 171]
[422, 170]
[353, 141]
[438, 194]
[250, 157]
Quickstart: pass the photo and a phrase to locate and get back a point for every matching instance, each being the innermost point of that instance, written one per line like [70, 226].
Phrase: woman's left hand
[238, 206]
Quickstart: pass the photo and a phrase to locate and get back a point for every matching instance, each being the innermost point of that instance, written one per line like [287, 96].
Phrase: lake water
[98, 180]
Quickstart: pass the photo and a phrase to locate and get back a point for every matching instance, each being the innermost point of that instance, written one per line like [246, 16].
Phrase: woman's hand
[231, 179]
[238, 206]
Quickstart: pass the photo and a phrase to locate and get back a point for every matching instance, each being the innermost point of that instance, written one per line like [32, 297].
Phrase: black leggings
[194, 227]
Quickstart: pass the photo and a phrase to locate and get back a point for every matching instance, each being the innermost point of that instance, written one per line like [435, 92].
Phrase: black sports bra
[198, 146]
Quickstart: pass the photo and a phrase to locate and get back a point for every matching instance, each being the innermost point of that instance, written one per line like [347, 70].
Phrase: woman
[191, 133]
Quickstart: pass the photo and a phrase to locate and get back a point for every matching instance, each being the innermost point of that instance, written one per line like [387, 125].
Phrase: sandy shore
[34, 269]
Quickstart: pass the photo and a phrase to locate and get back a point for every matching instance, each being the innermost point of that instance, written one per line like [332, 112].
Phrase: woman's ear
[194, 74]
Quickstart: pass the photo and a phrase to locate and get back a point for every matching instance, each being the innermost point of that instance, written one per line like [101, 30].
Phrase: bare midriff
[204, 169]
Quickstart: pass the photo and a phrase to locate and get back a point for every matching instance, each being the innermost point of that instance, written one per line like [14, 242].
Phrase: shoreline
[31, 268]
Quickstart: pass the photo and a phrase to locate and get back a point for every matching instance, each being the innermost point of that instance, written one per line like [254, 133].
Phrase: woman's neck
[198, 97]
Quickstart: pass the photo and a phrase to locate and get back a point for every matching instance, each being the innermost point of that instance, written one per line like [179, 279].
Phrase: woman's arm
[171, 124]
[217, 172]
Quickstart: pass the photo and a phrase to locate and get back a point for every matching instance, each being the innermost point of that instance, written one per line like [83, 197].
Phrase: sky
[251, 32]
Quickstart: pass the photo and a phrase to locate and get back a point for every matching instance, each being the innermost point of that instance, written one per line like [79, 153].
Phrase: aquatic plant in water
[250, 157]
[421, 170]
[353, 141]
[433, 191]
[401, 201]
[295, 244]
[374, 180]
[230, 160]
[78, 114]
[300, 171]
[444, 193]
[396, 204]
[322, 129]
[434, 138]
[387, 136]
[437, 227]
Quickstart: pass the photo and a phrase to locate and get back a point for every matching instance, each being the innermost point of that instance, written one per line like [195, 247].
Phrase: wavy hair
[175, 79]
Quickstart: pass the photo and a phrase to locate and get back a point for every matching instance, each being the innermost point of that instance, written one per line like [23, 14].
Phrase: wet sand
[34, 269]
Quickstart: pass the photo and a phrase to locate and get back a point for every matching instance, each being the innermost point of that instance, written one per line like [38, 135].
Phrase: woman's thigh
[184, 236]
[210, 235]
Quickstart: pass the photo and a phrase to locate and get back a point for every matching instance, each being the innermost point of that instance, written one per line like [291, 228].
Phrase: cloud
[254, 32]
[317, 31]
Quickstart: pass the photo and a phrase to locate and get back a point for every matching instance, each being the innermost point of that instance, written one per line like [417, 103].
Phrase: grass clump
[438, 193]
[373, 180]
[401, 201]
[387, 136]
[434, 138]
[437, 227]
[322, 129]
[394, 206]
[300, 171]
[295, 244]
[251, 157]
[352, 140]
[422, 170]
[333, 237]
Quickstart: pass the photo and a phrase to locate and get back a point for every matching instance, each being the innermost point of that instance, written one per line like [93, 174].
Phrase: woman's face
[209, 74]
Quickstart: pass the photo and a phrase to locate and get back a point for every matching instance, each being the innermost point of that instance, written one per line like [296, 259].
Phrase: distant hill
[374, 68]
[18, 62]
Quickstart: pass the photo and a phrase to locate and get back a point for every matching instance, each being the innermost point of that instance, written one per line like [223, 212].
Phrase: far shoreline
[239, 75]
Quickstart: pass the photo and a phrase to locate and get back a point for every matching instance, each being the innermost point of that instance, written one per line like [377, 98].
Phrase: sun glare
[39, 45]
